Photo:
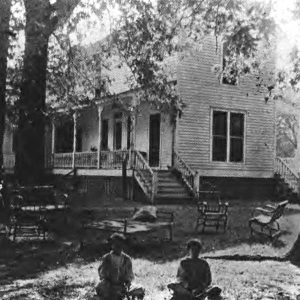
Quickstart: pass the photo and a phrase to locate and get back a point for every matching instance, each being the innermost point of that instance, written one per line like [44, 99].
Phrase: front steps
[170, 190]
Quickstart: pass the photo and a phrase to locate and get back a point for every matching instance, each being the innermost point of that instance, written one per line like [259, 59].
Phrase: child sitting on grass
[194, 276]
[116, 274]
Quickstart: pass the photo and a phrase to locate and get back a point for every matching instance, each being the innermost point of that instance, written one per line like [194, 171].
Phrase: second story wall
[203, 93]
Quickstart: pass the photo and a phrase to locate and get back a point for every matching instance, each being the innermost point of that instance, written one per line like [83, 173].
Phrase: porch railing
[89, 160]
[286, 173]
[63, 160]
[145, 175]
[187, 174]
[112, 159]
[86, 160]
[8, 160]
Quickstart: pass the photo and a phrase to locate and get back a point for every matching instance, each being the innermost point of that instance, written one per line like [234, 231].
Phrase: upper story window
[228, 132]
[97, 92]
[230, 75]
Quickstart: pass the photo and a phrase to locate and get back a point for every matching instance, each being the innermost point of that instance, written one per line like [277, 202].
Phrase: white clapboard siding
[201, 91]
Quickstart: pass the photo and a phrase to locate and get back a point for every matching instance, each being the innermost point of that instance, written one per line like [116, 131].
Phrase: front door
[154, 140]
[118, 132]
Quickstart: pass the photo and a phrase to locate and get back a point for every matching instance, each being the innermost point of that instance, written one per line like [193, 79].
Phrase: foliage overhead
[145, 36]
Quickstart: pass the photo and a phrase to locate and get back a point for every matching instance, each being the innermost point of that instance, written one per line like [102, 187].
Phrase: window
[97, 92]
[79, 140]
[64, 137]
[228, 136]
[104, 135]
[229, 72]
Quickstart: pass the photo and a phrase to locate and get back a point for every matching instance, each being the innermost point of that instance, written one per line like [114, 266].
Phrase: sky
[288, 35]
[289, 29]
[282, 10]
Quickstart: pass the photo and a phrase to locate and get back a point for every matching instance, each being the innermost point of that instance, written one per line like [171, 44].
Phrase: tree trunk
[294, 254]
[5, 6]
[31, 126]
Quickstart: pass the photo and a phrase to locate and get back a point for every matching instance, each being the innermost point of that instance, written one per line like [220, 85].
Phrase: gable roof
[121, 78]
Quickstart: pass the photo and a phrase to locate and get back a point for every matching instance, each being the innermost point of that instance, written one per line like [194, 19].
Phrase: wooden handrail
[148, 185]
[187, 174]
[186, 166]
[145, 163]
[287, 166]
[286, 173]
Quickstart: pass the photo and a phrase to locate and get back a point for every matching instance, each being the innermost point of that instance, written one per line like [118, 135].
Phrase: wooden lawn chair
[27, 223]
[266, 222]
[212, 212]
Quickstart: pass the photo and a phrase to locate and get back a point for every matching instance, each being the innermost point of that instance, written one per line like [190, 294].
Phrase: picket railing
[286, 173]
[63, 160]
[112, 159]
[187, 174]
[89, 160]
[146, 177]
[86, 160]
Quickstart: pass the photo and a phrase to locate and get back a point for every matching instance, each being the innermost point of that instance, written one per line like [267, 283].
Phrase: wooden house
[224, 135]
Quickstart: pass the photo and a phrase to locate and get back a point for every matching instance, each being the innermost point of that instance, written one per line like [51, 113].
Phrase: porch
[90, 160]
[103, 137]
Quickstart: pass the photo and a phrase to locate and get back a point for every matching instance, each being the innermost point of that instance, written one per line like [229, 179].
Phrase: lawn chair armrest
[261, 210]
[223, 207]
[270, 206]
[202, 206]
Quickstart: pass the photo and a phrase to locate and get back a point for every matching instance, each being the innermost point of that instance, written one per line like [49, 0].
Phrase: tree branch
[62, 10]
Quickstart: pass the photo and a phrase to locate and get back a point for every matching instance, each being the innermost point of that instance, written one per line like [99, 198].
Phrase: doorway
[118, 131]
[154, 140]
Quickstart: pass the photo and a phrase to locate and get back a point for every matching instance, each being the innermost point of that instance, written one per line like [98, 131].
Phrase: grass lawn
[58, 270]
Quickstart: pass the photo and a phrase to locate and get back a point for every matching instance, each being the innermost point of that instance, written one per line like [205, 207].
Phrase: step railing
[289, 176]
[187, 174]
[145, 175]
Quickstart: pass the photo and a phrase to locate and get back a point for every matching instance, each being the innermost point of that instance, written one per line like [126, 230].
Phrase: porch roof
[122, 78]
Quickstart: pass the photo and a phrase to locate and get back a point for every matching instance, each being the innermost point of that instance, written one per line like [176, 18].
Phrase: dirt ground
[59, 269]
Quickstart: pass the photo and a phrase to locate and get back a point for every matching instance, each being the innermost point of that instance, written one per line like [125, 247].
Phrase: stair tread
[176, 195]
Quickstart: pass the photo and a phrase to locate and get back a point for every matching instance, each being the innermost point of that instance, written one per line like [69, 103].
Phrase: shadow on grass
[60, 289]
[27, 258]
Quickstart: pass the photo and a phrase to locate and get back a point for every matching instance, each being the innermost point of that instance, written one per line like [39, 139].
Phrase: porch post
[132, 138]
[53, 136]
[196, 183]
[75, 115]
[50, 160]
[100, 109]
[298, 184]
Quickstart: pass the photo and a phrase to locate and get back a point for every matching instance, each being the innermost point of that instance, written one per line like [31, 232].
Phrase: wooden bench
[36, 198]
[212, 212]
[29, 209]
[266, 222]
[130, 227]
